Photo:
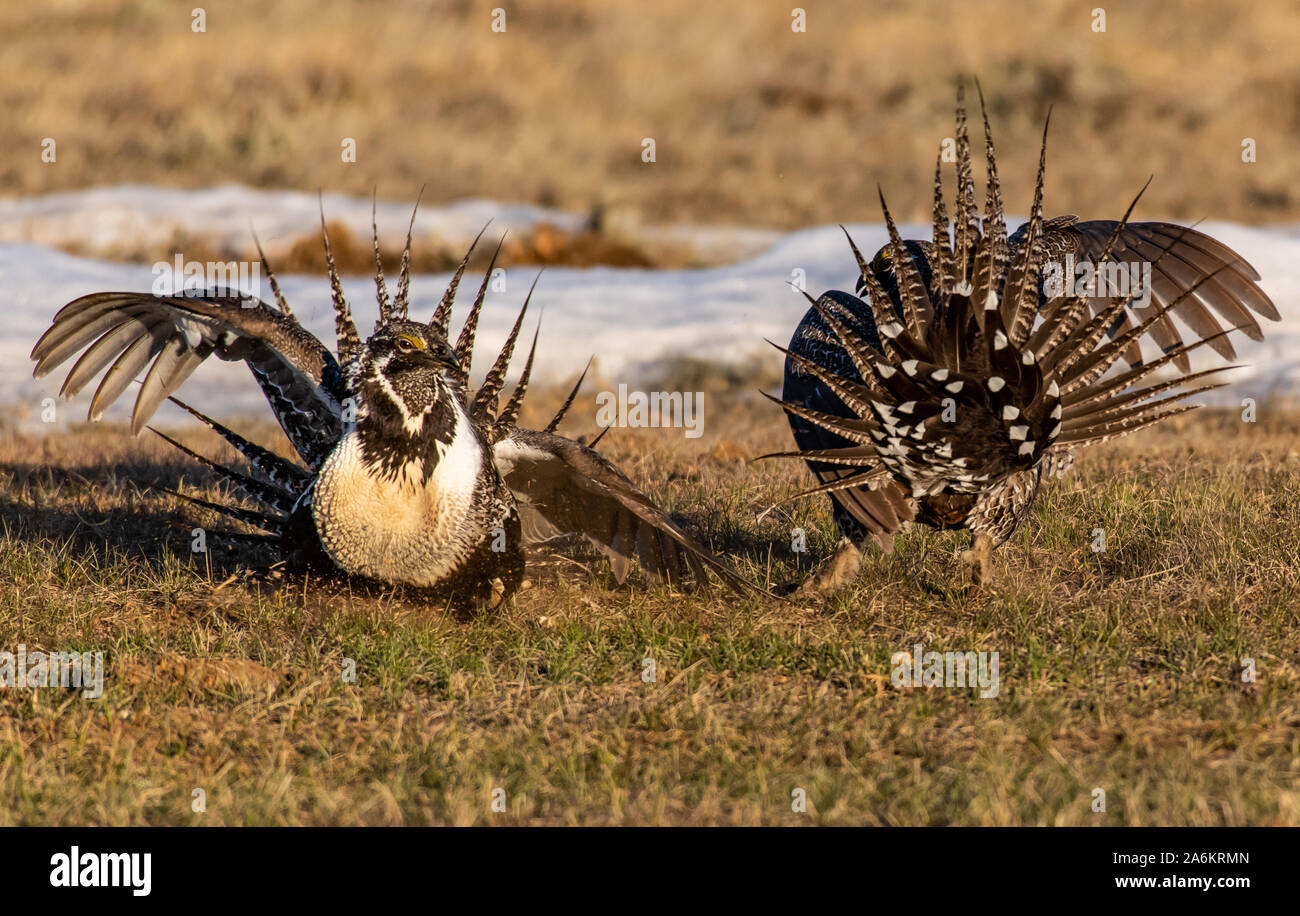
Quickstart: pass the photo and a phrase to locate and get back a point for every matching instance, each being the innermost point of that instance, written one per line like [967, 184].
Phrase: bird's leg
[980, 558]
[836, 571]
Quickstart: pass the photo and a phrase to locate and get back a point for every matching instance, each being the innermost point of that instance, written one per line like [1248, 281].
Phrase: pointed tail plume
[404, 279]
[349, 344]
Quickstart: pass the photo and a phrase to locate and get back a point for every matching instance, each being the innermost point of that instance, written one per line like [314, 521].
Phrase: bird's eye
[404, 345]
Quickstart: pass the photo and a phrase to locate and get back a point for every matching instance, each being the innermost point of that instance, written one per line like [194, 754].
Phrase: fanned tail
[947, 387]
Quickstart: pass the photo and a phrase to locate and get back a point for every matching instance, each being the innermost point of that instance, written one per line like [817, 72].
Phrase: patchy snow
[631, 319]
[100, 219]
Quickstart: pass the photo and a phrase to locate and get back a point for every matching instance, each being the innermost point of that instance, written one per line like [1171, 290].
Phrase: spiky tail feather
[381, 285]
[485, 406]
[404, 272]
[280, 500]
[251, 517]
[275, 495]
[465, 342]
[568, 401]
[345, 329]
[968, 336]
[281, 472]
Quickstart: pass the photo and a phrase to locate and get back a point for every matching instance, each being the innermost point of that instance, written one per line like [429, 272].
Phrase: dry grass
[753, 123]
[1120, 670]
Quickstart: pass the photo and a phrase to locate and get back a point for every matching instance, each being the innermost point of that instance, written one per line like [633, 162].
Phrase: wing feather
[1232, 299]
[122, 332]
[564, 488]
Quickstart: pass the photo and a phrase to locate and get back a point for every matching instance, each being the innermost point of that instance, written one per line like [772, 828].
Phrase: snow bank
[631, 319]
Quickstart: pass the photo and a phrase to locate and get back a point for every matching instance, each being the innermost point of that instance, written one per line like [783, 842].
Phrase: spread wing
[562, 487]
[1231, 298]
[123, 333]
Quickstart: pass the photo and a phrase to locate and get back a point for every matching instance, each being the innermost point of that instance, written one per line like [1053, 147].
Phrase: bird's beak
[447, 367]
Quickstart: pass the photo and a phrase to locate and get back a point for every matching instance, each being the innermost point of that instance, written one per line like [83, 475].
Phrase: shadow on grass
[121, 509]
[45, 503]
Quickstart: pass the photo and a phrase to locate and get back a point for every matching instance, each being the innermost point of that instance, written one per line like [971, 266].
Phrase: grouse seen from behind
[957, 379]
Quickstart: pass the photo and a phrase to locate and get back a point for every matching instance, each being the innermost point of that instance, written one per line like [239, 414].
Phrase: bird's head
[406, 372]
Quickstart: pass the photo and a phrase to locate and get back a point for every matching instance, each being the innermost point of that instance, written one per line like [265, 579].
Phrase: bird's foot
[980, 560]
[836, 571]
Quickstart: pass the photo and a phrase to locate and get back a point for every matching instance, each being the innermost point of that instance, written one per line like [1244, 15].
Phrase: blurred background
[754, 123]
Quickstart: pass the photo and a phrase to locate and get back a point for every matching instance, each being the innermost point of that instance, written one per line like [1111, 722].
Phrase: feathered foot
[980, 559]
[836, 571]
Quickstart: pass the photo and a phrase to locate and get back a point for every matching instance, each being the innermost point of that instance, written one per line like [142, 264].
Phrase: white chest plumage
[399, 528]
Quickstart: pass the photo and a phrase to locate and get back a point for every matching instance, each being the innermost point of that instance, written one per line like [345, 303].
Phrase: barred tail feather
[278, 471]
[270, 495]
[345, 329]
[404, 275]
[568, 402]
[251, 517]
[381, 285]
[465, 342]
[442, 314]
[485, 402]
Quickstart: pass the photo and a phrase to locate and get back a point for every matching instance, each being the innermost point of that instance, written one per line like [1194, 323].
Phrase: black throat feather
[391, 439]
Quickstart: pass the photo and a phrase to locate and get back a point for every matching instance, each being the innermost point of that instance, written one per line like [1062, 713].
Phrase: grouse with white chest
[958, 378]
[407, 476]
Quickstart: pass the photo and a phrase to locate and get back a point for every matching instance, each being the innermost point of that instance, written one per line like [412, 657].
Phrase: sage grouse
[406, 476]
[960, 376]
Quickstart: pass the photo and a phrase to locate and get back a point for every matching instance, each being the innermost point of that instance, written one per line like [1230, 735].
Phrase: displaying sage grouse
[967, 369]
[406, 476]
